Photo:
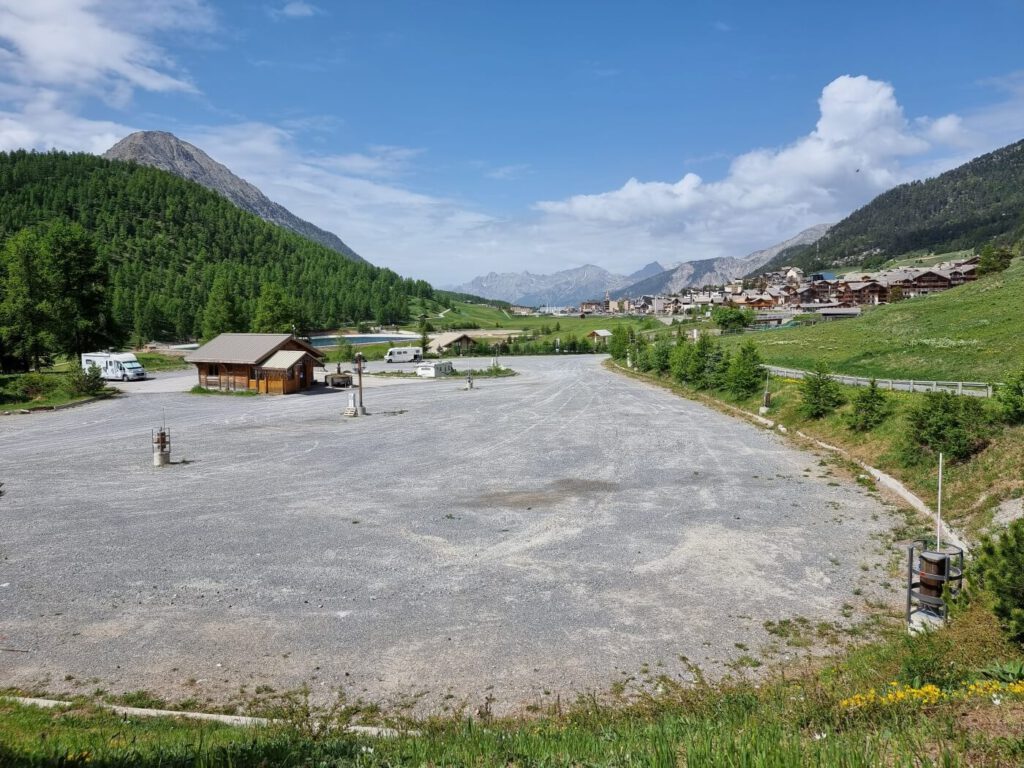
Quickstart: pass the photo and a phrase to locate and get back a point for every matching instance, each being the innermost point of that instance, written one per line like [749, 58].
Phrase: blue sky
[449, 139]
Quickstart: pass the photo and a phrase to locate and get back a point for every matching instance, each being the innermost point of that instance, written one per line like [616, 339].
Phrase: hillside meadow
[971, 333]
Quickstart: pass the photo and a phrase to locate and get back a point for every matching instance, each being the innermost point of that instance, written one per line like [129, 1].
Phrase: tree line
[95, 251]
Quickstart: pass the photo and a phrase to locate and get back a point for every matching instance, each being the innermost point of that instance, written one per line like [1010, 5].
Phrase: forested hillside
[178, 260]
[962, 208]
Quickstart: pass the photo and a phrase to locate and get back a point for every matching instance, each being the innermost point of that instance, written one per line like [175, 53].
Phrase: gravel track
[537, 536]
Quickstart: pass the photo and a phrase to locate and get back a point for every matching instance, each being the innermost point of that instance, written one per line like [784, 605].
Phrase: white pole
[938, 516]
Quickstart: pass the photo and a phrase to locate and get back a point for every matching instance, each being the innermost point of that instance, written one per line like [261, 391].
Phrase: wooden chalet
[268, 363]
[453, 341]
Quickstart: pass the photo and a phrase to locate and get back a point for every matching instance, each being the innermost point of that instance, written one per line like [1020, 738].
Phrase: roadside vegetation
[47, 390]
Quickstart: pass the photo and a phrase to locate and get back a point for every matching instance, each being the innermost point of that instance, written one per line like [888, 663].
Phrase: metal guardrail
[970, 388]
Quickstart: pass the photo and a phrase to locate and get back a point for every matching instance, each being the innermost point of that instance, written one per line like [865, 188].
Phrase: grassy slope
[971, 333]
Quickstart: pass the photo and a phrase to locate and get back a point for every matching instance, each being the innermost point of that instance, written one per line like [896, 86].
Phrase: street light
[359, 360]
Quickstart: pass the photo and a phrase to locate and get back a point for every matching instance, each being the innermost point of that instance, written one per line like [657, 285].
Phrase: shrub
[942, 422]
[870, 408]
[820, 394]
[1011, 398]
[32, 386]
[999, 570]
[78, 382]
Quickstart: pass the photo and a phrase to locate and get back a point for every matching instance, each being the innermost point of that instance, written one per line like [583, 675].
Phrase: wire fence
[969, 388]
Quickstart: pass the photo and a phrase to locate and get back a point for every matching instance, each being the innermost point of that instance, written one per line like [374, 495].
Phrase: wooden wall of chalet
[229, 376]
[278, 382]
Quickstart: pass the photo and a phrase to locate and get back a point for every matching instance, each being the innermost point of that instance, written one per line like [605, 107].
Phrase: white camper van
[123, 366]
[404, 355]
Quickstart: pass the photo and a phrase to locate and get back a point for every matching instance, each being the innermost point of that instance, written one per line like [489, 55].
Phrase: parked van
[404, 355]
[115, 366]
[434, 369]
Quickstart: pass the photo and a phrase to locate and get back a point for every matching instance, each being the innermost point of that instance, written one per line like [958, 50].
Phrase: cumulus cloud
[861, 145]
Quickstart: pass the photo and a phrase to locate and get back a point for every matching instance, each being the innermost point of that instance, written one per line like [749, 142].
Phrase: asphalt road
[537, 536]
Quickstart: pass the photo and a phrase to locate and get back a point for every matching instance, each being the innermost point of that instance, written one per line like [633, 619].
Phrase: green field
[971, 333]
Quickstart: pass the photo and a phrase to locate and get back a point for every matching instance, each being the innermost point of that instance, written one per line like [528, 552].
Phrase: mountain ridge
[562, 288]
[720, 270]
[165, 151]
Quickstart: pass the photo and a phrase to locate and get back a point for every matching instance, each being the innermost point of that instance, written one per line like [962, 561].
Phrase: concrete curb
[894, 485]
[235, 720]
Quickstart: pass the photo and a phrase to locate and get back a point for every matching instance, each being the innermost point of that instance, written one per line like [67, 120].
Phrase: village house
[268, 363]
[591, 307]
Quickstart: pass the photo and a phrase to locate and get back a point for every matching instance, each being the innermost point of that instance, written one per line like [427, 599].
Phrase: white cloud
[296, 9]
[508, 172]
[107, 49]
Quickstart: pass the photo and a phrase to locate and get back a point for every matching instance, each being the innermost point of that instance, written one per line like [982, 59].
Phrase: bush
[820, 394]
[78, 382]
[870, 408]
[942, 422]
[999, 570]
[33, 386]
[1011, 398]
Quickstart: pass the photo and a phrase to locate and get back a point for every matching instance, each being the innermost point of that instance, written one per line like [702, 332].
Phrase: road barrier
[970, 388]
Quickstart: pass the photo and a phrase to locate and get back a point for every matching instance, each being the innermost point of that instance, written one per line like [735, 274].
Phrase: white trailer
[432, 370]
[114, 366]
[404, 355]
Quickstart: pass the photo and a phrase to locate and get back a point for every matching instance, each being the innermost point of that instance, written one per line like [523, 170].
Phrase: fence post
[959, 387]
[911, 385]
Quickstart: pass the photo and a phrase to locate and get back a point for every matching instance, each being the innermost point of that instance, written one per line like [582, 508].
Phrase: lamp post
[359, 359]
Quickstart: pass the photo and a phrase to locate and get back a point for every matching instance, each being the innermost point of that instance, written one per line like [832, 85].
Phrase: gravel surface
[537, 536]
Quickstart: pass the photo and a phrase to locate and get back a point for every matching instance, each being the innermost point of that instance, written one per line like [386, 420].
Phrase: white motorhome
[123, 366]
[404, 355]
[433, 369]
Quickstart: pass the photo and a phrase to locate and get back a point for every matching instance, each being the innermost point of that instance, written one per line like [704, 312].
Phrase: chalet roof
[856, 285]
[284, 359]
[246, 348]
[600, 332]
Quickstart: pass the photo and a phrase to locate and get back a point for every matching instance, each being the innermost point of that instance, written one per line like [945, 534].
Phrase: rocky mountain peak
[163, 150]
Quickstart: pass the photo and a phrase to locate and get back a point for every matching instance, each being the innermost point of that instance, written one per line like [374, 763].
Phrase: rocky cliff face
[566, 288]
[717, 271]
[169, 153]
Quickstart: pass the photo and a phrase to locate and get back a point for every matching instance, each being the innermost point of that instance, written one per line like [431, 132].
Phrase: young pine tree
[870, 408]
[820, 394]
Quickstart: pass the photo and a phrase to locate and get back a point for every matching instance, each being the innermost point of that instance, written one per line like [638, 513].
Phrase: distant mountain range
[167, 152]
[717, 271]
[566, 288]
[968, 206]
[571, 286]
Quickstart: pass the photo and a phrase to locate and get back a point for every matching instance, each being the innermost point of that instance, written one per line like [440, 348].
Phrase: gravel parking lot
[537, 536]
